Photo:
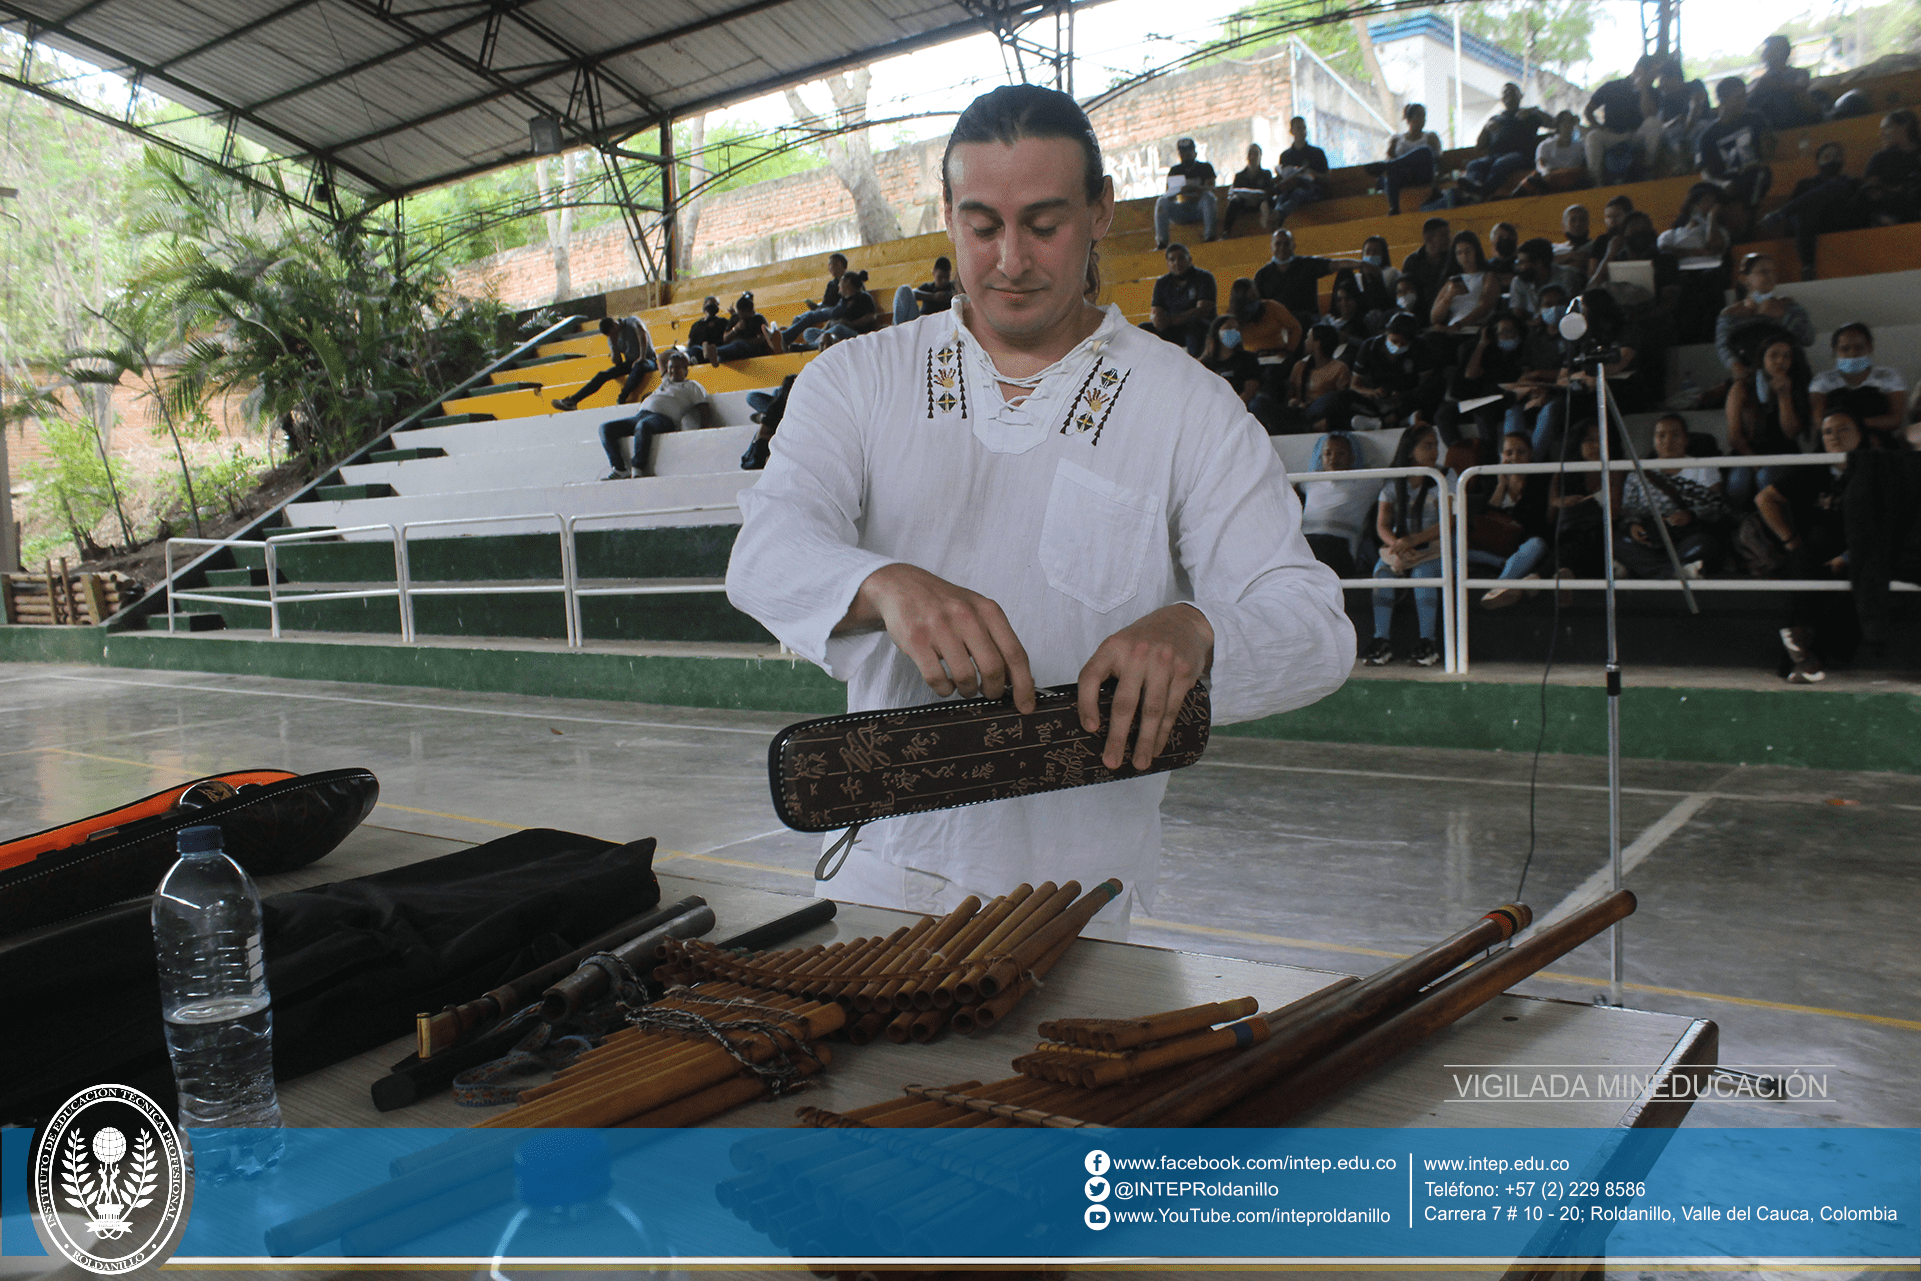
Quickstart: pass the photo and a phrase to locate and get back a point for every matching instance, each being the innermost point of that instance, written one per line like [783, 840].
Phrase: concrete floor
[1779, 903]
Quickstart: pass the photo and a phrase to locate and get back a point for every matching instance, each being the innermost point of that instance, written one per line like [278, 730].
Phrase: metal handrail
[273, 545]
[1451, 652]
[570, 559]
[1467, 586]
[407, 590]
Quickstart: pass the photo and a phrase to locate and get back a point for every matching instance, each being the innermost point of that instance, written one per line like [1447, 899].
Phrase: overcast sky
[1127, 35]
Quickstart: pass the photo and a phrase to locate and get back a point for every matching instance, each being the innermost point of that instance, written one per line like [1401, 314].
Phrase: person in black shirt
[1290, 279]
[1249, 194]
[1623, 111]
[911, 302]
[1396, 377]
[1892, 182]
[1507, 143]
[1828, 201]
[1228, 356]
[1193, 202]
[829, 299]
[1803, 509]
[1735, 152]
[1780, 93]
[632, 353]
[1302, 179]
[748, 334]
[1183, 303]
[705, 335]
[1432, 263]
[854, 315]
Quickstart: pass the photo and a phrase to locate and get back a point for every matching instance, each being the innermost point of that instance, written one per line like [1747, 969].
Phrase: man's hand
[1154, 663]
[935, 622]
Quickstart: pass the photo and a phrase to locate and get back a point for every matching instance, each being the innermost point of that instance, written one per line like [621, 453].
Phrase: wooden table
[1100, 979]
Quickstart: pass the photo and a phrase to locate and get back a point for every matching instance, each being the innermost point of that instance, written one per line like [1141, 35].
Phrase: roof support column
[669, 203]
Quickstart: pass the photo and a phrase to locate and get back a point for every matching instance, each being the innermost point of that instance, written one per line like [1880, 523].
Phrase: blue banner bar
[1840, 1194]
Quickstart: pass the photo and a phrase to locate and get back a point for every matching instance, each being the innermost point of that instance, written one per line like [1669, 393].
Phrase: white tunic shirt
[1130, 479]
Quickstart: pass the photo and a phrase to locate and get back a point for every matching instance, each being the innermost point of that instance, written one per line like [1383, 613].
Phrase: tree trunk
[697, 173]
[560, 221]
[849, 155]
[1383, 95]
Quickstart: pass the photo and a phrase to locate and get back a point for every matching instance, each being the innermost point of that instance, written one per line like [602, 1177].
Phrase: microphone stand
[1606, 417]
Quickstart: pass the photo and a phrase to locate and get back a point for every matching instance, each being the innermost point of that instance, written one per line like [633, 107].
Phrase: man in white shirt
[662, 412]
[1026, 490]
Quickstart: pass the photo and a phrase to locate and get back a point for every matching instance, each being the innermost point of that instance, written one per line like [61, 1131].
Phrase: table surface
[1094, 979]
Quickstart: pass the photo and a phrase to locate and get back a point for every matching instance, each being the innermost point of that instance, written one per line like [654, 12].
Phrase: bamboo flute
[589, 983]
[1198, 1045]
[1445, 1004]
[1336, 1017]
[984, 923]
[1039, 906]
[1122, 1034]
[1005, 972]
[716, 1099]
[889, 953]
[995, 1008]
[881, 996]
[1010, 937]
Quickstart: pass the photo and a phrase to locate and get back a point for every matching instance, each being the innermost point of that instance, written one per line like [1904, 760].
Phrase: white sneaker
[1694, 569]
[618, 473]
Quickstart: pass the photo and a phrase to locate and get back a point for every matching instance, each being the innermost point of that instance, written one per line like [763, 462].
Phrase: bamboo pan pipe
[1436, 1008]
[1337, 1019]
[1004, 973]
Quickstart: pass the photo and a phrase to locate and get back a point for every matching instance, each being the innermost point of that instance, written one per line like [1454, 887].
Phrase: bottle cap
[198, 840]
[562, 1168]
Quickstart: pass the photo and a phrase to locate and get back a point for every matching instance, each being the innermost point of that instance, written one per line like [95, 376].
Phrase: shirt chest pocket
[1095, 538]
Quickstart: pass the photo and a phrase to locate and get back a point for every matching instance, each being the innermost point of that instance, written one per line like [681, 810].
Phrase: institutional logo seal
[110, 1185]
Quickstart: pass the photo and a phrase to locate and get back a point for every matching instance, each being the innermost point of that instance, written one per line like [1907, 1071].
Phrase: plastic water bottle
[569, 1208]
[213, 997]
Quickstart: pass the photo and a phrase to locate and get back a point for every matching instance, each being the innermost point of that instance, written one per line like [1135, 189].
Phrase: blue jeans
[1490, 172]
[1522, 563]
[1410, 169]
[1427, 600]
[1169, 209]
[643, 427]
[634, 372]
[905, 308]
[836, 330]
[1305, 194]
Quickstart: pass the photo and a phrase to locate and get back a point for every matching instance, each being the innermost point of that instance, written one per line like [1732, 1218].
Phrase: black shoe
[1379, 653]
[565, 406]
[1425, 655]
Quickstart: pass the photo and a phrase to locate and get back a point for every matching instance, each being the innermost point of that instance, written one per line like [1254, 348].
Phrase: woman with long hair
[1318, 383]
[1471, 293]
[1408, 522]
[1771, 412]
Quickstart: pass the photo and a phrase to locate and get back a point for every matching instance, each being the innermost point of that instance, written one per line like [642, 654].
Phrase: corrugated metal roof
[399, 95]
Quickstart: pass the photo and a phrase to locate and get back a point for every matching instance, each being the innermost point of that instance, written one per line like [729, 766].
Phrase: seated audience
[1507, 144]
[1469, 295]
[1623, 138]
[1503, 243]
[1875, 396]
[1689, 502]
[1495, 362]
[1303, 175]
[631, 352]
[748, 334]
[1430, 265]
[1760, 307]
[1510, 508]
[829, 299]
[1397, 378]
[769, 408]
[1700, 244]
[1349, 315]
[1697, 231]
[857, 313]
[1335, 514]
[1226, 354]
[705, 335]
[1575, 242]
[1654, 309]
[1317, 386]
[1827, 201]
[1292, 279]
[1610, 329]
[1770, 412]
[1253, 188]
[1183, 303]
[1560, 160]
[914, 301]
[1614, 216]
[1269, 331]
[1682, 105]
[1191, 200]
[1734, 154]
[1780, 92]
[1371, 277]
[1534, 271]
[1574, 503]
[1413, 158]
[662, 412]
[1802, 511]
[1892, 182]
[1408, 523]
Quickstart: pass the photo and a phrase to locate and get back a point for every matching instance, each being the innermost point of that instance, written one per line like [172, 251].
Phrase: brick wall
[1222, 107]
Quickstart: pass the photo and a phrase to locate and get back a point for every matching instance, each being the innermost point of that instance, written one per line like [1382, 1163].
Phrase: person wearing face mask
[1226, 354]
[1761, 306]
[1828, 201]
[1318, 384]
[1892, 182]
[1504, 245]
[1873, 395]
[1655, 312]
[1370, 276]
[1396, 378]
[1769, 412]
[1495, 361]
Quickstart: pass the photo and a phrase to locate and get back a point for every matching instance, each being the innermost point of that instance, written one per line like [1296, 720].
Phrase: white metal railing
[276, 541]
[1468, 585]
[271, 602]
[1452, 654]
[518, 587]
[627, 587]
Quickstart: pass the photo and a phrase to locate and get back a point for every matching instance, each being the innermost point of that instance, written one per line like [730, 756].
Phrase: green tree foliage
[71, 491]
[1549, 33]
[760, 152]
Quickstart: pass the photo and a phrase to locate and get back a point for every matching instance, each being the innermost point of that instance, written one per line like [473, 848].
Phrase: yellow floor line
[1908, 1025]
[670, 855]
[459, 818]
[115, 760]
